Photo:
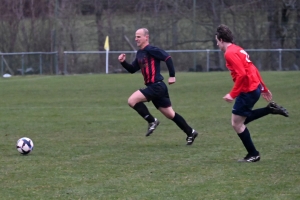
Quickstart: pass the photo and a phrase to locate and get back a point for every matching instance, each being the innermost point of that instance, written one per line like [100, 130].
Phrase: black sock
[181, 123]
[142, 109]
[247, 141]
[258, 113]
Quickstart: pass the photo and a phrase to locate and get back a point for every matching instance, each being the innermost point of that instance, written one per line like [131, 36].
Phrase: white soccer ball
[25, 145]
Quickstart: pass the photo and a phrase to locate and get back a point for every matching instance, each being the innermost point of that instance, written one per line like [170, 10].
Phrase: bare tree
[59, 25]
[11, 15]
[296, 28]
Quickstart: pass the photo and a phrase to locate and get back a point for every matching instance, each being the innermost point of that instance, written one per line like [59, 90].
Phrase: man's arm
[265, 92]
[171, 69]
[169, 63]
[131, 68]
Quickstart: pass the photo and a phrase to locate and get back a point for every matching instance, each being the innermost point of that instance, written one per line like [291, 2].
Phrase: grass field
[89, 144]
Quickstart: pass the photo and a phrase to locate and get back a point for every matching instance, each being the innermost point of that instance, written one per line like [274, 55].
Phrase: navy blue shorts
[158, 94]
[245, 102]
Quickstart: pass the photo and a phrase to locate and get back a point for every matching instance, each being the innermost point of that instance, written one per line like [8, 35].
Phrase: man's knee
[135, 98]
[238, 127]
[131, 102]
[169, 115]
[168, 112]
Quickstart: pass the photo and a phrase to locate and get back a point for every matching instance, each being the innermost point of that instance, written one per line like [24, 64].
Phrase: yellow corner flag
[106, 44]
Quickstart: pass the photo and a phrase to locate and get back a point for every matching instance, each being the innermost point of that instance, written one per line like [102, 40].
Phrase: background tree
[79, 25]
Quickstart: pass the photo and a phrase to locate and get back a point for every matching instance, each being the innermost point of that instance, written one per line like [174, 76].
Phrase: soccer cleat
[250, 158]
[190, 139]
[276, 109]
[151, 127]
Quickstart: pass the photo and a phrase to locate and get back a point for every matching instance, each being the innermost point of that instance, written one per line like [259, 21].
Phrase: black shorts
[245, 102]
[158, 94]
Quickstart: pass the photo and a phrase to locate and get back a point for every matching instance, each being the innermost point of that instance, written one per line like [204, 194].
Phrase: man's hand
[172, 80]
[228, 98]
[122, 57]
[267, 95]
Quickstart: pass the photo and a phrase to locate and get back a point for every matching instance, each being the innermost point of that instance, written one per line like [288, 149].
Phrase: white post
[106, 47]
[107, 60]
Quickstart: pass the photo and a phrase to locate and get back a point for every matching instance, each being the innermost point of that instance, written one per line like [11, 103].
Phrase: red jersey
[244, 74]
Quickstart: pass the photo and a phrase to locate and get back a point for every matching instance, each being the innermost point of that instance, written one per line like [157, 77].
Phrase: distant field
[90, 145]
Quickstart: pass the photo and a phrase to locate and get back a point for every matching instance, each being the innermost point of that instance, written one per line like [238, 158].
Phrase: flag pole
[107, 61]
[106, 47]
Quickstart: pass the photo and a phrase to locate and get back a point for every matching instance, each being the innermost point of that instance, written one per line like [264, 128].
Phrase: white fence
[76, 62]
[22, 63]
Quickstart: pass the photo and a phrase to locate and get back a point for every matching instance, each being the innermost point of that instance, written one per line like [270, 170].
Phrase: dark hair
[224, 33]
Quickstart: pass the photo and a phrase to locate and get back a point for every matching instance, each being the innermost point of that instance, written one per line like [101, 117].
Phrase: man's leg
[271, 108]
[180, 122]
[256, 114]
[136, 102]
[244, 134]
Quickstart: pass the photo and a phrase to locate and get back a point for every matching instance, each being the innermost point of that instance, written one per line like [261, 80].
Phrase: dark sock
[143, 111]
[181, 123]
[258, 113]
[247, 141]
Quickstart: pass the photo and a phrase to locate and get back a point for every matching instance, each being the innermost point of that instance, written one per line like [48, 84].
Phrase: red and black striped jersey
[148, 61]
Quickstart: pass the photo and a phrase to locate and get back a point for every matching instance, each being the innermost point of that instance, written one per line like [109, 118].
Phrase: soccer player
[247, 88]
[148, 61]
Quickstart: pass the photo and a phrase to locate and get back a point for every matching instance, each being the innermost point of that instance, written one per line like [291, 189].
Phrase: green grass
[89, 144]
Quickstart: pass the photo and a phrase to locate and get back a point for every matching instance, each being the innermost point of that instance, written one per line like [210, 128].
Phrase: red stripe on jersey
[147, 75]
[167, 58]
[153, 70]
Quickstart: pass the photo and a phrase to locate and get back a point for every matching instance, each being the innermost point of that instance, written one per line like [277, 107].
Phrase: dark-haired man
[148, 60]
[247, 88]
